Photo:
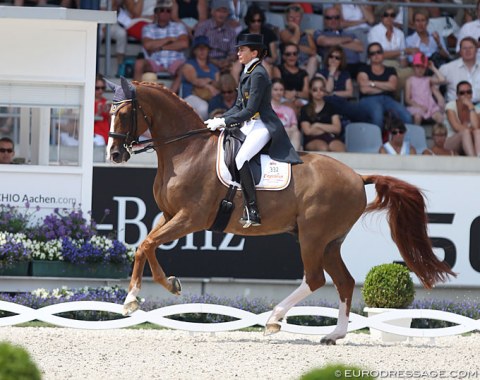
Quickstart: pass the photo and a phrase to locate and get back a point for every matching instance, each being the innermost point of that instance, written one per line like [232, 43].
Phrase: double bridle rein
[131, 139]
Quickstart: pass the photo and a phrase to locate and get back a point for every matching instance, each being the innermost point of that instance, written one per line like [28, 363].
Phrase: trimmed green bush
[336, 371]
[388, 286]
[16, 364]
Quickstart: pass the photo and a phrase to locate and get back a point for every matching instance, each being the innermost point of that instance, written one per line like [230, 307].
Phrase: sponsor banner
[45, 190]
[454, 227]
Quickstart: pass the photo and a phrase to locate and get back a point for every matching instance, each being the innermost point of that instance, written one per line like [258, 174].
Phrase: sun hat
[420, 59]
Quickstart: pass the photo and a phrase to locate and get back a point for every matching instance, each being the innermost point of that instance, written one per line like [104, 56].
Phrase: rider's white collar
[249, 64]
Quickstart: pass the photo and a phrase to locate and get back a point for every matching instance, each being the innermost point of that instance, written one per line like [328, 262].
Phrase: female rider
[253, 114]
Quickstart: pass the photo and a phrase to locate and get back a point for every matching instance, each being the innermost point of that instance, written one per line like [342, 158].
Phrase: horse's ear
[112, 86]
[128, 88]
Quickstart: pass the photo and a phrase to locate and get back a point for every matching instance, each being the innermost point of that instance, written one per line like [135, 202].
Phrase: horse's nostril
[115, 156]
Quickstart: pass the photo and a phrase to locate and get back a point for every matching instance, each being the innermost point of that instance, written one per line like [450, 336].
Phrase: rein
[131, 141]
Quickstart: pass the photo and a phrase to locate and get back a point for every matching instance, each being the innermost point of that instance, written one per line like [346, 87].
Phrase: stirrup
[250, 218]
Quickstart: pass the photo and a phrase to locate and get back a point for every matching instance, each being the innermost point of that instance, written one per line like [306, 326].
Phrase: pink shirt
[286, 114]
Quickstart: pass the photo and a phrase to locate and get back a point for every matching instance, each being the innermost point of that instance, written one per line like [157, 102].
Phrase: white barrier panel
[244, 318]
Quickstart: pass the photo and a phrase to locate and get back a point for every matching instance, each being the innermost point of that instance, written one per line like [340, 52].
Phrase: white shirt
[352, 12]
[414, 41]
[378, 33]
[249, 64]
[455, 72]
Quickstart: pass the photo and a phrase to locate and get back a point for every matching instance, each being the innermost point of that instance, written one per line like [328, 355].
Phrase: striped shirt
[155, 32]
[222, 39]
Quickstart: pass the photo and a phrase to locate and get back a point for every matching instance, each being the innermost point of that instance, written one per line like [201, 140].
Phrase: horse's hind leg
[344, 283]
[314, 278]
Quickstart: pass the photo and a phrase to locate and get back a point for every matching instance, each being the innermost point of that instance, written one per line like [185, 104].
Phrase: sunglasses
[228, 92]
[256, 20]
[389, 14]
[439, 135]
[290, 53]
[295, 9]
[163, 10]
[315, 89]
[99, 88]
[3, 150]
[466, 92]
[337, 57]
[396, 132]
[332, 17]
[375, 52]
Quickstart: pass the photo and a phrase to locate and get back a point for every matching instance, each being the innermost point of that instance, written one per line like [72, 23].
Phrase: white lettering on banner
[137, 220]
[122, 222]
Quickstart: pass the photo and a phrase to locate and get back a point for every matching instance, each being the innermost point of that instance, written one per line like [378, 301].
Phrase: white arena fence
[244, 319]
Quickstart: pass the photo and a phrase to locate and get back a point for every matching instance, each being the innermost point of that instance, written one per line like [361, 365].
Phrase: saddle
[268, 174]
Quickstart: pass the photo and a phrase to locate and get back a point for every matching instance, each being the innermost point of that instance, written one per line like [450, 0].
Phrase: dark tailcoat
[254, 100]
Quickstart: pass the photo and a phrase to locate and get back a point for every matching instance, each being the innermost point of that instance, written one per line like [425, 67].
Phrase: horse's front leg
[163, 232]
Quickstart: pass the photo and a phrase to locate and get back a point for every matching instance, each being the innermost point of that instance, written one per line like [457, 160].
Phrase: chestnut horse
[321, 204]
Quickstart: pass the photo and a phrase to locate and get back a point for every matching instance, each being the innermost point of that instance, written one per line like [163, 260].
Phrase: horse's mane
[161, 87]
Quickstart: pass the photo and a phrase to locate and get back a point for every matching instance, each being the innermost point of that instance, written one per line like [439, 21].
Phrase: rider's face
[245, 54]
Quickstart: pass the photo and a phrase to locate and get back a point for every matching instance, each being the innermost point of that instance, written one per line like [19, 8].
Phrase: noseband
[131, 139]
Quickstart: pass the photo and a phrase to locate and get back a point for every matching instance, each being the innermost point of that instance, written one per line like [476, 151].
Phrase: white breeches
[257, 137]
[199, 105]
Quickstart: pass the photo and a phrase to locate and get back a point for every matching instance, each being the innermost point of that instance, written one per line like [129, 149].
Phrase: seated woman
[439, 135]
[464, 122]
[320, 125]
[339, 86]
[294, 78]
[396, 144]
[227, 97]
[285, 113]
[199, 77]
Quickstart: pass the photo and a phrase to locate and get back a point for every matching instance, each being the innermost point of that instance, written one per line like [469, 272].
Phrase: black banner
[127, 194]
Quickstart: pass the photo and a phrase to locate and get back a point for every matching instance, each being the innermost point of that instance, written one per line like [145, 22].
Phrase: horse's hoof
[176, 285]
[271, 328]
[328, 342]
[130, 308]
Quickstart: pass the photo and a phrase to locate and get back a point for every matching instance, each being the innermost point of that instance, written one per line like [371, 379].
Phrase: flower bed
[63, 236]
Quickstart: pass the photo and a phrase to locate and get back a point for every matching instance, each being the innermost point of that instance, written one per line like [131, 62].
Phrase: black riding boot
[251, 216]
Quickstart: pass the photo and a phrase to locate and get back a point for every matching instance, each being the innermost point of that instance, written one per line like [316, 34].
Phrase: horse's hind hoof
[130, 308]
[176, 285]
[328, 342]
[271, 328]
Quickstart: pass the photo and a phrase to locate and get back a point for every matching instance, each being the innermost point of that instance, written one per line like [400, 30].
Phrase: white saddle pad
[275, 175]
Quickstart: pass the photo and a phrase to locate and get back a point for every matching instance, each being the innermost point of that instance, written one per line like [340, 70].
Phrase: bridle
[131, 139]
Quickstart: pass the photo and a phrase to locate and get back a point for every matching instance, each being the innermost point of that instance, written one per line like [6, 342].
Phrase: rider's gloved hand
[215, 123]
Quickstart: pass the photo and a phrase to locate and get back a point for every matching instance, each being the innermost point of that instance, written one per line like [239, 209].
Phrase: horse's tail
[407, 217]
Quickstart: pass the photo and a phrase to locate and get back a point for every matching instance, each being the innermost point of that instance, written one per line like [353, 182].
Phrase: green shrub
[388, 286]
[336, 371]
[16, 364]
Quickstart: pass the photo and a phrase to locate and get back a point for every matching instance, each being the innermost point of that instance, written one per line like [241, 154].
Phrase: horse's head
[124, 131]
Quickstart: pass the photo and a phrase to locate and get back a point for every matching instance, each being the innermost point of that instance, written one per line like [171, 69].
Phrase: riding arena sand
[138, 354]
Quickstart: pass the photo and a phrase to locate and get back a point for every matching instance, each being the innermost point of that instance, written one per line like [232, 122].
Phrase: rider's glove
[215, 123]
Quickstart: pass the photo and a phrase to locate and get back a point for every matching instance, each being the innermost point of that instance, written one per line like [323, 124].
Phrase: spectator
[465, 68]
[396, 144]
[285, 113]
[6, 120]
[255, 21]
[470, 29]
[227, 97]
[464, 122]
[101, 124]
[294, 78]
[392, 41]
[332, 35]
[377, 85]
[237, 12]
[320, 125]
[293, 33]
[439, 136]
[7, 150]
[189, 13]
[339, 87]
[133, 15]
[432, 45]
[357, 19]
[221, 35]
[199, 77]
[163, 43]
[421, 91]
